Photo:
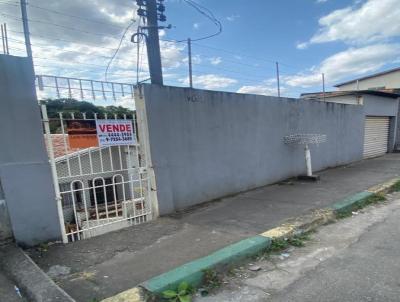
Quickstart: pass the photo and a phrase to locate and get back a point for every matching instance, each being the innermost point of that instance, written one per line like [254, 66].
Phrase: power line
[247, 56]
[118, 48]
[73, 16]
[62, 40]
[62, 14]
[209, 15]
[75, 62]
[227, 70]
[60, 26]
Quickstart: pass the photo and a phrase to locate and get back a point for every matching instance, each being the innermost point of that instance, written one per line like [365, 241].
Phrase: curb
[350, 202]
[30, 278]
[192, 272]
[135, 294]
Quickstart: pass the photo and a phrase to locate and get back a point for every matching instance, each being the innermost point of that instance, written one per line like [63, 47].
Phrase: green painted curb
[192, 272]
[349, 202]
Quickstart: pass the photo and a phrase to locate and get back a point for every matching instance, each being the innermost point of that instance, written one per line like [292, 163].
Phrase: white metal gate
[376, 136]
[98, 189]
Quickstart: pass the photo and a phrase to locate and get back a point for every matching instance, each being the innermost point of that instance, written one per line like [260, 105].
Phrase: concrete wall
[374, 105]
[207, 144]
[24, 168]
[380, 106]
[390, 80]
[5, 225]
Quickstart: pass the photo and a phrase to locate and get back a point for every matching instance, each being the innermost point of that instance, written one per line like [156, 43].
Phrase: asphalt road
[355, 259]
[368, 270]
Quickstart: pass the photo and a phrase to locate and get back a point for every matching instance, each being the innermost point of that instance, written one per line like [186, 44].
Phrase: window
[99, 189]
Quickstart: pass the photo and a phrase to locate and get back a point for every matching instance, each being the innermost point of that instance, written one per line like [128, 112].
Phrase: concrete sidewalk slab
[7, 290]
[30, 279]
[109, 264]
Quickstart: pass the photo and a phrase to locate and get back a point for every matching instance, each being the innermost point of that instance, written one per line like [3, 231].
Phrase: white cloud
[374, 20]
[210, 81]
[351, 62]
[267, 87]
[321, 1]
[302, 45]
[232, 18]
[258, 89]
[126, 102]
[85, 50]
[215, 60]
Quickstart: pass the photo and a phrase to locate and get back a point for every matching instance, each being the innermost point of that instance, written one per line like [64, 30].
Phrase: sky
[343, 39]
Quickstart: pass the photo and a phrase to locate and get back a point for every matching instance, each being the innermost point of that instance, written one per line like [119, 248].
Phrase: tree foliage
[66, 106]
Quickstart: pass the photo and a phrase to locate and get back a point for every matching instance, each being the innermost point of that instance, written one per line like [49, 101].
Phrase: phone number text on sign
[115, 132]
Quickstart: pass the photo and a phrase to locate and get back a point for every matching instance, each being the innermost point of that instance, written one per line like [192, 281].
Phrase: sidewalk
[7, 290]
[103, 266]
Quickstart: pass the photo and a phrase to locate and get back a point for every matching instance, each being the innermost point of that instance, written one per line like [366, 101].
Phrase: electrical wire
[72, 16]
[60, 26]
[118, 48]
[209, 15]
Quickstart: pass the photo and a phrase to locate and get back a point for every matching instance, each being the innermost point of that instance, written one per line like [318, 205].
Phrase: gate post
[24, 168]
[144, 143]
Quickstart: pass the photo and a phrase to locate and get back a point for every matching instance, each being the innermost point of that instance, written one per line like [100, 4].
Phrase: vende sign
[115, 132]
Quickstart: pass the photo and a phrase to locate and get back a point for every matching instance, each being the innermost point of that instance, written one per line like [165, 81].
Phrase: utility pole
[189, 41]
[277, 79]
[3, 39]
[153, 42]
[6, 38]
[26, 30]
[323, 86]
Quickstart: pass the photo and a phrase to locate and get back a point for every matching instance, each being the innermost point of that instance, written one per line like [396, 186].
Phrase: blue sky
[341, 38]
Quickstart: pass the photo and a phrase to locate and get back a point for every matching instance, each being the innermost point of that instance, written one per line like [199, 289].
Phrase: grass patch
[281, 244]
[278, 244]
[212, 279]
[299, 240]
[395, 187]
[373, 199]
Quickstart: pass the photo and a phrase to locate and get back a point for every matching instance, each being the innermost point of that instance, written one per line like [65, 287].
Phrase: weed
[182, 294]
[395, 187]
[373, 199]
[278, 244]
[43, 247]
[296, 242]
[212, 279]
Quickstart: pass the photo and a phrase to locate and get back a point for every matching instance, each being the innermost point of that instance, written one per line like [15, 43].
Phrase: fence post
[189, 41]
[46, 124]
[277, 79]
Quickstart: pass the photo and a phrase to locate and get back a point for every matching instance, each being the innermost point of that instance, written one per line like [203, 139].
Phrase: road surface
[355, 259]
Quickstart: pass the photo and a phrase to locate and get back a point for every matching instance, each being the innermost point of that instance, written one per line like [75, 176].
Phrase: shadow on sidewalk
[103, 266]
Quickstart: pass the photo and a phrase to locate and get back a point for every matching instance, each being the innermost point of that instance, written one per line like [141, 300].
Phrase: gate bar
[54, 172]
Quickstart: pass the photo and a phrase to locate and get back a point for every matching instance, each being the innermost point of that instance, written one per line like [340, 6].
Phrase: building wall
[5, 225]
[343, 99]
[390, 80]
[380, 106]
[207, 144]
[25, 172]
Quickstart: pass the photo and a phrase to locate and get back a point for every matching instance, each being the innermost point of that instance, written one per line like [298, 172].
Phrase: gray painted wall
[5, 225]
[380, 106]
[24, 168]
[207, 144]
